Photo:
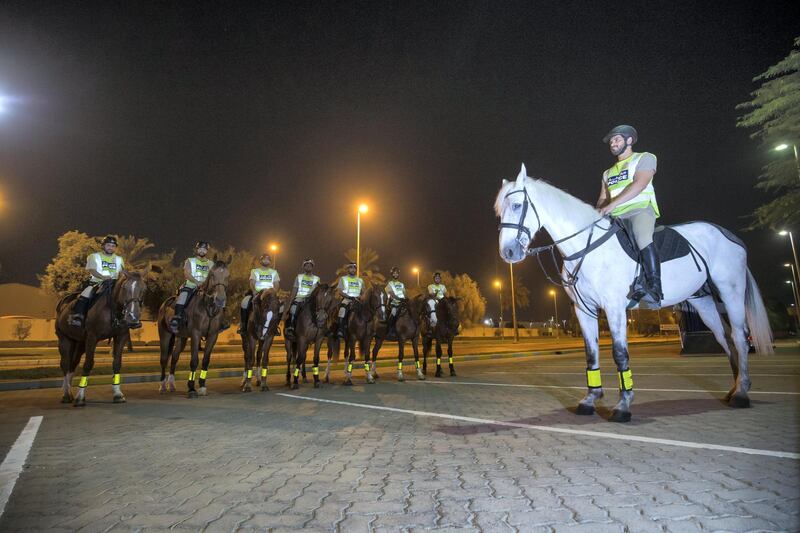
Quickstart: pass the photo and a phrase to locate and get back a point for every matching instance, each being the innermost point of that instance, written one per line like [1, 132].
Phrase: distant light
[487, 322]
[497, 283]
[782, 146]
[415, 270]
[787, 265]
[363, 208]
[783, 233]
[273, 247]
[787, 281]
[552, 292]
[3, 104]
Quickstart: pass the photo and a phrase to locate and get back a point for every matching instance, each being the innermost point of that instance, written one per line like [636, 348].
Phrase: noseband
[520, 226]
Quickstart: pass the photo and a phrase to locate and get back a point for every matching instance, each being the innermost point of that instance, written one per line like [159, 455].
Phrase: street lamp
[415, 270]
[513, 303]
[783, 233]
[363, 208]
[795, 288]
[783, 146]
[554, 294]
[274, 249]
[499, 287]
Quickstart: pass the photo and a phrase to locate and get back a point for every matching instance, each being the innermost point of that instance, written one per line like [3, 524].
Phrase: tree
[66, 272]
[22, 329]
[774, 110]
[522, 296]
[471, 304]
[370, 272]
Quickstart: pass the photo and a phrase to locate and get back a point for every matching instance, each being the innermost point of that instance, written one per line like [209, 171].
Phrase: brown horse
[311, 329]
[205, 315]
[406, 329]
[262, 326]
[446, 329]
[364, 315]
[115, 311]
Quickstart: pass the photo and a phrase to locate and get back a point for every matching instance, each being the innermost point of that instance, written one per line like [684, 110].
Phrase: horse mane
[560, 204]
[219, 263]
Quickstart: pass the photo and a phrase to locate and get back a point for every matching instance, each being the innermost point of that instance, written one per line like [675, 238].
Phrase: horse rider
[349, 288]
[195, 272]
[102, 266]
[436, 291]
[304, 283]
[396, 291]
[627, 192]
[263, 277]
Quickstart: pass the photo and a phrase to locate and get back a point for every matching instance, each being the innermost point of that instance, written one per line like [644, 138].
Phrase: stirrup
[76, 320]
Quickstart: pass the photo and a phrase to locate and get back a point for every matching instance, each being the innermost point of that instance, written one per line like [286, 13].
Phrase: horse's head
[266, 306]
[378, 301]
[217, 283]
[129, 292]
[519, 219]
[322, 302]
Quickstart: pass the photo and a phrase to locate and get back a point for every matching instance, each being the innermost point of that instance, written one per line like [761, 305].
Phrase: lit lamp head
[363, 208]
[783, 233]
[781, 147]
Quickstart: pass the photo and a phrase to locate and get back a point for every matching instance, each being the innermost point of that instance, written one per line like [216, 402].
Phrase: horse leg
[426, 349]
[331, 355]
[349, 356]
[176, 353]
[590, 330]
[363, 347]
[438, 358]
[450, 356]
[66, 349]
[734, 305]
[617, 322]
[400, 346]
[417, 364]
[192, 392]
[165, 342]
[289, 359]
[300, 360]
[707, 309]
[208, 348]
[120, 342]
[249, 357]
[88, 364]
[264, 366]
[315, 368]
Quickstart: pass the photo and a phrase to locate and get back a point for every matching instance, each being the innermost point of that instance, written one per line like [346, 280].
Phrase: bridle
[520, 226]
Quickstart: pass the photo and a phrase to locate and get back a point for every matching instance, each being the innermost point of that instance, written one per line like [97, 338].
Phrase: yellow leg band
[192, 375]
[450, 360]
[263, 372]
[349, 367]
[315, 370]
[366, 366]
[438, 361]
[418, 364]
[399, 366]
[296, 372]
[117, 379]
[625, 380]
[83, 382]
[249, 374]
[203, 374]
[593, 379]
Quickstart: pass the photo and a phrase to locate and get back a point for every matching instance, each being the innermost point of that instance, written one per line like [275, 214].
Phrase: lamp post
[783, 146]
[274, 249]
[795, 287]
[513, 303]
[554, 294]
[499, 287]
[415, 270]
[363, 208]
[794, 251]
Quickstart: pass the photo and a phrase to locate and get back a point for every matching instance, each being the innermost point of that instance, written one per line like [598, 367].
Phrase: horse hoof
[370, 379]
[247, 388]
[375, 375]
[264, 388]
[192, 394]
[119, 399]
[452, 373]
[739, 401]
[305, 379]
[203, 391]
[317, 385]
[66, 399]
[620, 416]
[295, 386]
[584, 409]
[400, 377]
[420, 376]
[171, 387]
[348, 383]
[438, 373]
[258, 383]
[79, 403]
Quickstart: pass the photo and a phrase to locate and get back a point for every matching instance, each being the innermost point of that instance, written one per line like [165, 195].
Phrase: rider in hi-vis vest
[102, 266]
[195, 272]
[349, 288]
[627, 192]
[436, 291]
[263, 277]
[304, 283]
[396, 291]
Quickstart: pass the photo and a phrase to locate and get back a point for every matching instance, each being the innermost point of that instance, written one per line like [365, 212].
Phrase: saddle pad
[669, 243]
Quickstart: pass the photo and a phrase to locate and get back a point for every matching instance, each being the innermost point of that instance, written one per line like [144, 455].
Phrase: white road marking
[728, 374]
[15, 460]
[585, 433]
[637, 389]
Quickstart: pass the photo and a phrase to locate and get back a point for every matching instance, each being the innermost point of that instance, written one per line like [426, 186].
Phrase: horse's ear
[230, 258]
[505, 182]
[523, 173]
[215, 258]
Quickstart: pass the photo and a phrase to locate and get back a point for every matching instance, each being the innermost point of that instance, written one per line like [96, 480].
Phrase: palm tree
[369, 271]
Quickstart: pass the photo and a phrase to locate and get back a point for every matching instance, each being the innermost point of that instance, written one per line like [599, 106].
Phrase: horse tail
[756, 314]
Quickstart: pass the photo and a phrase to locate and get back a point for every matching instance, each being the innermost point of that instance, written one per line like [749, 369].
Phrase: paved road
[495, 449]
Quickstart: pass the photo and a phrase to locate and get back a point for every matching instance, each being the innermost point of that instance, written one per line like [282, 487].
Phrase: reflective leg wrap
[450, 360]
[349, 367]
[264, 372]
[192, 376]
[249, 374]
[117, 379]
[366, 366]
[296, 372]
[418, 364]
[399, 366]
[438, 361]
[315, 370]
[203, 374]
[625, 380]
[593, 379]
[83, 382]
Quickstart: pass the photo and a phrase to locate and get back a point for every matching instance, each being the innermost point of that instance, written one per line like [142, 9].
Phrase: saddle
[669, 243]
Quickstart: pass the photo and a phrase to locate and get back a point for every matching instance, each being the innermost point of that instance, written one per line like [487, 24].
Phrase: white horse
[600, 277]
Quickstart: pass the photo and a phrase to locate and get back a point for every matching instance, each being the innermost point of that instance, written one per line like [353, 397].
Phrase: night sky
[248, 123]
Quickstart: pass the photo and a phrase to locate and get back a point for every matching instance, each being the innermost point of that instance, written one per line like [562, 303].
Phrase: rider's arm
[276, 283]
[91, 267]
[340, 288]
[640, 180]
[253, 278]
[431, 292]
[603, 199]
[187, 273]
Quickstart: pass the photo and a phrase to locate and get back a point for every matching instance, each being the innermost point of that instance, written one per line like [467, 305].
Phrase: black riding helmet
[393, 270]
[110, 239]
[202, 244]
[308, 261]
[628, 132]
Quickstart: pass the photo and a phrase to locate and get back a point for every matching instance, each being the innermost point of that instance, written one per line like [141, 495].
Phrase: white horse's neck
[561, 214]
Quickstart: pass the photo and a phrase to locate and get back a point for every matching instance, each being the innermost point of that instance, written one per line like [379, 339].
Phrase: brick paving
[266, 462]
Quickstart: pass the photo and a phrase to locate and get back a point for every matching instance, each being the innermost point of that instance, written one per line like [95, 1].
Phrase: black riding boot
[242, 321]
[79, 311]
[390, 329]
[290, 320]
[652, 272]
[342, 326]
[177, 319]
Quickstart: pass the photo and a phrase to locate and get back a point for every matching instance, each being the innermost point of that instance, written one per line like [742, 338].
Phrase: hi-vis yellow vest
[108, 265]
[264, 278]
[620, 176]
[351, 285]
[396, 288]
[305, 284]
[199, 268]
[437, 290]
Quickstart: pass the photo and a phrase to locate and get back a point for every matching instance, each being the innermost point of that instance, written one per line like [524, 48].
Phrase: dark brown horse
[311, 329]
[364, 315]
[204, 319]
[262, 326]
[406, 329]
[446, 329]
[112, 315]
